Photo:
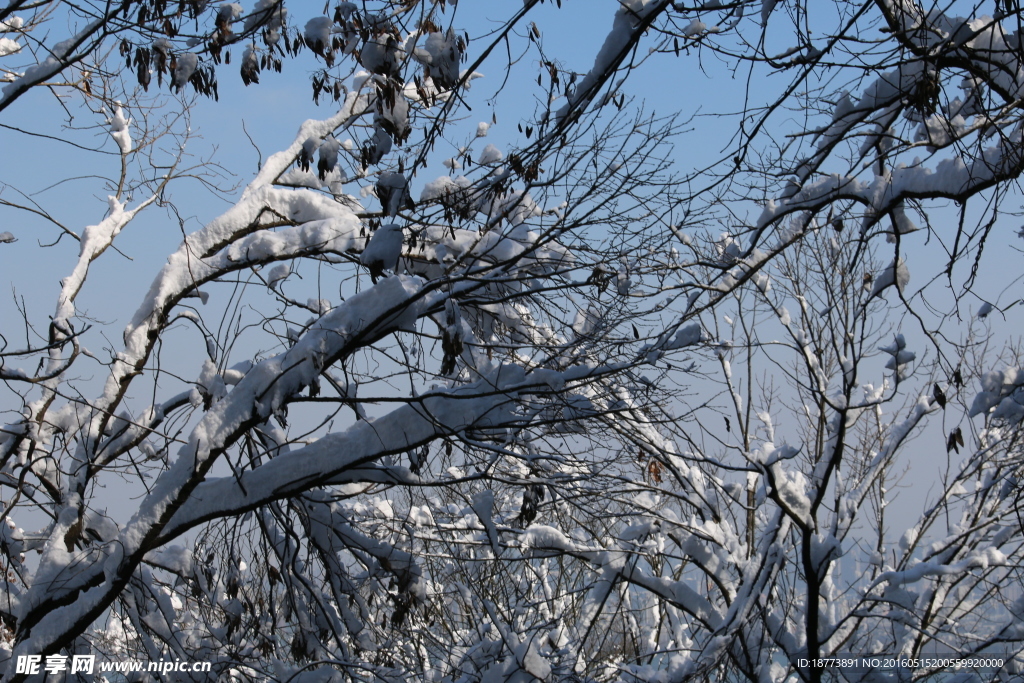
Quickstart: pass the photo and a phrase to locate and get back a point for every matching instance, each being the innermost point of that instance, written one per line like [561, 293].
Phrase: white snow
[490, 155]
[8, 47]
[384, 249]
[381, 54]
[543, 537]
[277, 274]
[695, 27]
[186, 65]
[443, 187]
[346, 476]
[317, 32]
[119, 130]
[328, 156]
[52, 65]
[271, 26]
[11, 24]
[393, 192]
[441, 55]
[896, 273]
[686, 336]
[628, 19]
[483, 506]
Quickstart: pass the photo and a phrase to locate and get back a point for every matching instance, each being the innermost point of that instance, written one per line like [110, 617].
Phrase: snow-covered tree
[780, 531]
[430, 363]
[67, 46]
[415, 406]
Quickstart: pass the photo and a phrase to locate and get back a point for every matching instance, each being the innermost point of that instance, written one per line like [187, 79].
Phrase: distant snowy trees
[570, 409]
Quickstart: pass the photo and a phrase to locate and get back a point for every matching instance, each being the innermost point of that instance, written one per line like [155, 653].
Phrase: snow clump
[490, 155]
[119, 130]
